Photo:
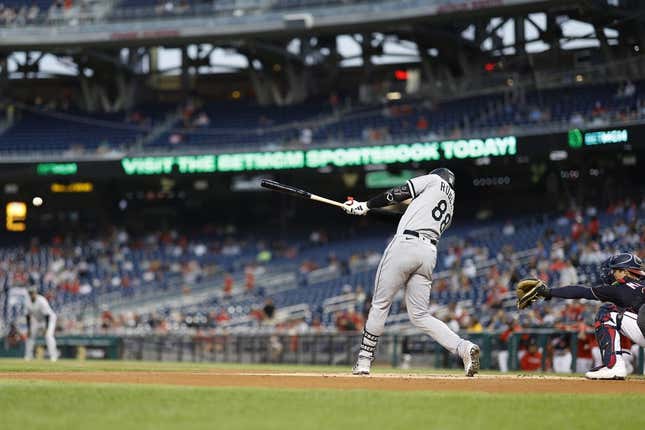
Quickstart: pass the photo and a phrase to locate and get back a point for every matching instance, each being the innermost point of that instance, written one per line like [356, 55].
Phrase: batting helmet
[446, 175]
[624, 261]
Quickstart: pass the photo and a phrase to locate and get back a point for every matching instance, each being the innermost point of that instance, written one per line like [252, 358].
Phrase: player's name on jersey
[316, 158]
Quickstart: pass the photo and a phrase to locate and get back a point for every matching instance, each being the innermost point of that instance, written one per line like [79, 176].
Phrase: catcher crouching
[623, 313]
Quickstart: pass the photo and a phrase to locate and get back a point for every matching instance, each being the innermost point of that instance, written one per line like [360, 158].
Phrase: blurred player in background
[40, 315]
[408, 262]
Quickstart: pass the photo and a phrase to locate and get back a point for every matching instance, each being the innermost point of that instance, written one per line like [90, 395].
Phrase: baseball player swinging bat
[408, 261]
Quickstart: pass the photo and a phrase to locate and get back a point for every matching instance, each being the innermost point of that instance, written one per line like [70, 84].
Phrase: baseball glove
[529, 290]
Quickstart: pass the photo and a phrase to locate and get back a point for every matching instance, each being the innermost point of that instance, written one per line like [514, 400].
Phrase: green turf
[51, 406]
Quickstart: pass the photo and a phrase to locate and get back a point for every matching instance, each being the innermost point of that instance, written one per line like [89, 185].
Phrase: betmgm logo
[575, 138]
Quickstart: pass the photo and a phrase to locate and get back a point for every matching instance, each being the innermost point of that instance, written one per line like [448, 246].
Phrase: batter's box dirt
[401, 382]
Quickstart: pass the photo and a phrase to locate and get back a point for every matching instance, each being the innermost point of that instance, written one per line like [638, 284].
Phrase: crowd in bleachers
[128, 9]
[472, 289]
[325, 123]
[200, 124]
[21, 12]
[25, 12]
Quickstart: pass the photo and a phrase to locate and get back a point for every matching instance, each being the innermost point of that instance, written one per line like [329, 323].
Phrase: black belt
[416, 234]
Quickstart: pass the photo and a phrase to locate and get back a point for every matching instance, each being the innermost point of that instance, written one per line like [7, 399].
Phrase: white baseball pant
[408, 263]
[50, 340]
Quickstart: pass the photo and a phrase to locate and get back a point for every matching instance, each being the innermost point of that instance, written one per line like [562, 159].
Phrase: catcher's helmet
[446, 175]
[625, 261]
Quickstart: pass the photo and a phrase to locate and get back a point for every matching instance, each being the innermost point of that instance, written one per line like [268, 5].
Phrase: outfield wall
[397, 350]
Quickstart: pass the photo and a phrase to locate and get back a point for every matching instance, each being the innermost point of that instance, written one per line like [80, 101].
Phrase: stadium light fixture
[394, 95]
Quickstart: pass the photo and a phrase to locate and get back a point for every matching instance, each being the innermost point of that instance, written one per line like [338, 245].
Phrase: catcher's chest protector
[641, 319]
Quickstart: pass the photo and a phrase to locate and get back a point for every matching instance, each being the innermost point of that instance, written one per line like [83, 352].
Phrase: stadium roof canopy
[453, 43]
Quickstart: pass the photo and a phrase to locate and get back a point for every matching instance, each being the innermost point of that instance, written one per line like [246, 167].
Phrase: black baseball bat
[298, 192]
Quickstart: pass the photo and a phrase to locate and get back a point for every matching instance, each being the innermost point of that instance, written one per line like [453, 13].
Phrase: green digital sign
[260, 161]
[165, 165]
[317, 158]
[606, 136]
[576, 138]
[44, 169]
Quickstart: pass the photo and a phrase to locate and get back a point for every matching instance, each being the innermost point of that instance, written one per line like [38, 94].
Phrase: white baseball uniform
[41, 314]
[409, 260]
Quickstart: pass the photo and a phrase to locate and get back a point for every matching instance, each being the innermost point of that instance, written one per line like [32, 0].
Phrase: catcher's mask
[623, 261]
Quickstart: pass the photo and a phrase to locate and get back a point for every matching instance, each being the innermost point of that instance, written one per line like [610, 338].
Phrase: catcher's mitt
[529, 291]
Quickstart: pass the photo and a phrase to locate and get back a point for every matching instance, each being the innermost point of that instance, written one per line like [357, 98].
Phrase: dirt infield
[395, 382]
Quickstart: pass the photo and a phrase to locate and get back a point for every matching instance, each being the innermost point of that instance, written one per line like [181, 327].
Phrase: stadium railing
[312, 348]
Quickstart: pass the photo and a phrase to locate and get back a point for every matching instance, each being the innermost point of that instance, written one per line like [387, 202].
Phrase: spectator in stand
[228, 284]
[469, 269]
[626, 91]
[268, 309]
[202, 120]
[509, 228]
[598, 109]
[568, 274]
[175, 138]
[557, 265]
[306, 136]
[475, 326]
[222, 316]
[249, 281]
[422, 123]
[33, 12]
[577, 229]
[593, 228]
[577, 119]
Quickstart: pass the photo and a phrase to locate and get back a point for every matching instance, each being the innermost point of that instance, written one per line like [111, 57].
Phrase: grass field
[74, 403]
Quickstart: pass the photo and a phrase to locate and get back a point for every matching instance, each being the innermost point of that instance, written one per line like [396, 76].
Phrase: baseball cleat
[471, 360]
[617, 372]
[362, 366]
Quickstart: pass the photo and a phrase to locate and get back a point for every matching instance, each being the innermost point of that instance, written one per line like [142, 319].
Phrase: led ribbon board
[44, 169]
[605, 137]
[576, 137]
[317, 158]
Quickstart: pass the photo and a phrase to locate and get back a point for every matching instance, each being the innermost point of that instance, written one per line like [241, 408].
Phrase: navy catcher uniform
[623, 313]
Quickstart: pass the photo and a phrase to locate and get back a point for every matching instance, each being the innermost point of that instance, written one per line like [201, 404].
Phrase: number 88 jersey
[432, 206]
